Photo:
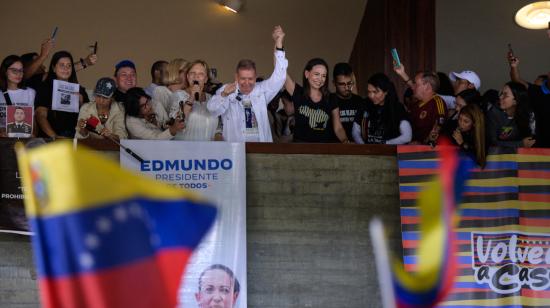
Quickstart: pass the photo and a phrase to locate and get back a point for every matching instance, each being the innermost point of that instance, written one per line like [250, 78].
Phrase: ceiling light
[233, 5]
[534, 16]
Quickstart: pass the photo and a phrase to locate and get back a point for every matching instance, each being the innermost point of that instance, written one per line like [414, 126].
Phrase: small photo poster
[3, 117]
[19, 121]
[65, 96]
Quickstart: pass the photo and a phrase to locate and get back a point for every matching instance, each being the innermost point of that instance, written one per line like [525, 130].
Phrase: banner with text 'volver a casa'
[504, 232]
[216, 273]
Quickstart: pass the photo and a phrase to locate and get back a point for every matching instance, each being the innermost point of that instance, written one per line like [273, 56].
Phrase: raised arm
[275, 82]
[400, 70]
[514, 70]
[45, 50]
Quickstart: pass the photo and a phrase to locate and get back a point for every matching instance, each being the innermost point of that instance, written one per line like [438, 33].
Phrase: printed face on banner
[216, 274]
[511, 261]
[19, 121]
[216, 290]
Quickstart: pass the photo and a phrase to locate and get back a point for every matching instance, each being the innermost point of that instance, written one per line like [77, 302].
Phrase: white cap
[471, 76]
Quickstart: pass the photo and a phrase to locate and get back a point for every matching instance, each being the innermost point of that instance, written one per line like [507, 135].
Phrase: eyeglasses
[348, 84]
[15, 71]
[142, 106]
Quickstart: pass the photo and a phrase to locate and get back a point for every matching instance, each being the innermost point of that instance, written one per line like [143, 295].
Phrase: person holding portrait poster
[55, 121]
[13, 90]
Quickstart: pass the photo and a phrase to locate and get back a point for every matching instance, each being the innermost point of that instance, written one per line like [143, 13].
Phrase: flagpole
[382, 258]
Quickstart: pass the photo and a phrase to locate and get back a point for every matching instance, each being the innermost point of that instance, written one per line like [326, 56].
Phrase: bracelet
[83, 63]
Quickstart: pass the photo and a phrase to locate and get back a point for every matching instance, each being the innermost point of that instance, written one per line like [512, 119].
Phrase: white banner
[217, 171]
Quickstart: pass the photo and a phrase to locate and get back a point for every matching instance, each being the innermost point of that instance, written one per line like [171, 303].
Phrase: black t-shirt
[35, 81]
[313, 120]
[380, 123]
[348, 110]
[63, 123]
[540, 103]
[120, 97]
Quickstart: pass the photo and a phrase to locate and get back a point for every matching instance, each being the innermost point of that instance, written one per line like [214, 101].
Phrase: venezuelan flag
[434, 274]
[105, 237]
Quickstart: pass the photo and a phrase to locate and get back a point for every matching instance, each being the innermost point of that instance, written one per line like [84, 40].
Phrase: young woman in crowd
[109, 113]
[175, 82]
[53, 123]
[12, 88]
[464, 98]
[14, 91]
[511, 123]
[201, 125]
[469, 134]
[317, 119]
[141, 120]
[384, 119]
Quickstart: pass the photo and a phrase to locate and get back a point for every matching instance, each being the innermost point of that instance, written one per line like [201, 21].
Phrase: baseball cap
[471, 76]
[124, 63]
[105, 87]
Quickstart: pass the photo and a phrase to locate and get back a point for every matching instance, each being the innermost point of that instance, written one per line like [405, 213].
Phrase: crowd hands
[185, 102]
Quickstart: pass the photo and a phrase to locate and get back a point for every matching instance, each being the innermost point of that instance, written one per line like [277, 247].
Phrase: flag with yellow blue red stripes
[104, 236]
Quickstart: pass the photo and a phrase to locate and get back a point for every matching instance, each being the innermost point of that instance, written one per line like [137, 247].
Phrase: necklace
[103, 117]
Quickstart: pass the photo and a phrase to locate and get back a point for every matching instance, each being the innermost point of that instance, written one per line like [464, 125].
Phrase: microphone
[196, 82]
[91, 125]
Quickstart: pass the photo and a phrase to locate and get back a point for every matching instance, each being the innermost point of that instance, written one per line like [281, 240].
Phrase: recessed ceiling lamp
[534, 16]
[233, 5]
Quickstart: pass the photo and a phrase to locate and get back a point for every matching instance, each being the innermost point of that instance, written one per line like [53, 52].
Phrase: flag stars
[86, 260]
[135, 210]
[91, 241]
[120, 214]
[104, 225]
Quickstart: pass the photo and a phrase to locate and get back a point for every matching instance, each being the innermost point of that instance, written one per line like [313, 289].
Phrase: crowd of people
[184, 103]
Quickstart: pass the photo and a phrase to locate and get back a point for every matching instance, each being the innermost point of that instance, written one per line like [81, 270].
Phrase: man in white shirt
[158, 70]
[243, 104]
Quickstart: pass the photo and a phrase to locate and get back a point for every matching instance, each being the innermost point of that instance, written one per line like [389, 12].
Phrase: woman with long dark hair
[384, 119]
[141, 119]
[54, 123]
[12, 88]
[469, 134]
[317, 119]
[511, 124]
[14, 92]
[464, 98]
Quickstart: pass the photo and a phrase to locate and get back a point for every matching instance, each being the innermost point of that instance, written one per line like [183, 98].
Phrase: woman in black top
[57, 123]
[510, 123]
[464, 98]
[469, 133]
[317, 119]
[384, 119]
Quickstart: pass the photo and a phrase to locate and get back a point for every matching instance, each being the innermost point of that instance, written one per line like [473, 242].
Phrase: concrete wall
[474, 35]
[146, 31]
[307, 231]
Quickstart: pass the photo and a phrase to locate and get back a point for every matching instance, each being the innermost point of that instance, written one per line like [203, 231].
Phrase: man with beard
[348, 102]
